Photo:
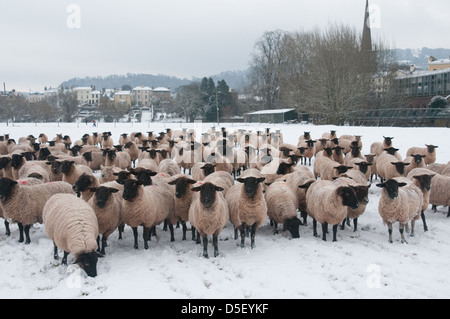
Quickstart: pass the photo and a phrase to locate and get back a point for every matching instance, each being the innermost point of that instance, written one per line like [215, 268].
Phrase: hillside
[420, 57]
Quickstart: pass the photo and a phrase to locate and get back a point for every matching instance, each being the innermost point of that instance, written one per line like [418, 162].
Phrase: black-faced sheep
[71, 172]
[209, 214]
[282, 208]
[23, 204]
[72, 225]
[439, 194]
[400, 202]
[327, 204]
[429, 151]
[246, 204]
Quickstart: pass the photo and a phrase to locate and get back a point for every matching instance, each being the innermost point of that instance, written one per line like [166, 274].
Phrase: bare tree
[189, 101]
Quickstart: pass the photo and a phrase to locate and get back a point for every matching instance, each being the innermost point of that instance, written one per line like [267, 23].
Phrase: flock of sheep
[240, 177]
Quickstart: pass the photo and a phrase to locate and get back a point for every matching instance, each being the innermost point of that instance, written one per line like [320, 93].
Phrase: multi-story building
[124, 98]
[438, 64]
[161, 94]
[83, 94]
[142, 95]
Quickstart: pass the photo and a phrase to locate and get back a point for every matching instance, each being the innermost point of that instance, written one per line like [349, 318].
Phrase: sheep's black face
[152, 153]
[105, 137]
[88, 262]
[208, 169]
[431, 148]
[418, 158]
[16, 160]
[400, 167]
[181, 185]
[88, 156]
[43, 154]
[122, 177]
[4, 161]
[362, 194]
[425, 181]
[144, 175]
[103, 194]
[65, 166]
[391, 187]
[131, 189]
[348, 197]
[328, 151]
[83, 183]
[251, 185]
[56, 167]
[388, 140]
[283, 168]
[363, 166]
[112, 154]
[341, 169]
[6, 186]
[355, 150]
[391, 150]
[207, 194]
[293, 225]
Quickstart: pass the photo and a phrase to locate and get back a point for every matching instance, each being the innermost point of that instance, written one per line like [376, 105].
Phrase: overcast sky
[45, 42]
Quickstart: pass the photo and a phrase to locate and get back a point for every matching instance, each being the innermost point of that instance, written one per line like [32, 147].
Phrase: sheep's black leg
[98, 243]
[183, 225]
[104, 244]
[304, 215]
[242, 229]
[335, 227]
[235, 233]
[343, 225]
[315, 228]
[21, 239]
[402, 227]
[152, 233]
[121, 230]
[434, 208]
[275, 228]
[252, 235]
[165, 225]
[310, 161]
[355, 224]
[55, 251]
[324, 231]
[390, 232]
[146, 236]
[135, 234]
[199, 238]
[448, 214]
[64, 260]
[205, 246]
[216, 245]
[8, 231]
[424, 220]
[193, 232]
[172, 235]
[27, 234]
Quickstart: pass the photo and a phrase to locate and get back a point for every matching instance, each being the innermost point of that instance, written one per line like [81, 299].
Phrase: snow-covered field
[359, 265]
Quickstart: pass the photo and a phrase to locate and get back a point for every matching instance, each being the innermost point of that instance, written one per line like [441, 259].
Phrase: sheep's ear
[407, 164]
[174, 182]
[241, 180]
[381, 185]
[197, 189]
[262, 179]
[192, 181]
[402, 184]
[92, 189]
[423, 156]
[268, 184]
[113, 190]
[219, 189]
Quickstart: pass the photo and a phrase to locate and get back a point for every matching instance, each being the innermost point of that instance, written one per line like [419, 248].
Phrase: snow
[359, 265]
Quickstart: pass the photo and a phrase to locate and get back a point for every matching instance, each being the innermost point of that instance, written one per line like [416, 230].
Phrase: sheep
[330, 135]
[169, 167]
[106, 141]
[332, 169]
[221, 179]
[355, 153]
[415, 161]
[307, 150]
[43, 139]
[23, 204]
[82, 185]
[94, 159]
[296, 179]
[201, 169]
[327, 204]
[145, 206]
[107, 173]
[183, 197]
[107, 205]
[209, 214]
[429, 152]
[362, 194]
[322, 158]
[35, 169]
[372, 159]
[119, 159]
[132, 149]
[361, 165]
[442, 169]
[439, 194]
[5, 166]
[246, 204]
[72, 225]
[378, 147]
[400, 202]
[421, 177]
[389, 167]
[71, 172]
[281, 207]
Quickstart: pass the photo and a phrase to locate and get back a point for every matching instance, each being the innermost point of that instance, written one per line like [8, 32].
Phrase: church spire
[366, 41]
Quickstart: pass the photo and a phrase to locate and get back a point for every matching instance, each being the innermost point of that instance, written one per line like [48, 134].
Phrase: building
[271, 116]
[424, 83]
[161, 94]
[142, 95]
[83, 94]
[124, 98]
[435, 64]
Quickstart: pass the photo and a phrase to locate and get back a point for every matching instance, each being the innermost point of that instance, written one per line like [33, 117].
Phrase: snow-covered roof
[278, 111]
[82, 88]
[142, 88]
[161, 89]
[440, 62]
[123, 93]
[423, 73]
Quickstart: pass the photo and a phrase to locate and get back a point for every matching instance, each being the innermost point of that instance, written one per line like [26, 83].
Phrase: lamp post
[217, 108]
